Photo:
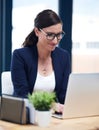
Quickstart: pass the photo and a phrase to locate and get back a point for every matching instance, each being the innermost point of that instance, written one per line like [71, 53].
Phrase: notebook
[82, 96]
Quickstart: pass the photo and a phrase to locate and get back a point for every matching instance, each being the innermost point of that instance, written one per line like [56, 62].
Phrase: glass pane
[23, 14]
[85, 35]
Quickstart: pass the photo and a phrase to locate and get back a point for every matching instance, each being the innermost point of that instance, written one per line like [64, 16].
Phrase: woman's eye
[50, 34]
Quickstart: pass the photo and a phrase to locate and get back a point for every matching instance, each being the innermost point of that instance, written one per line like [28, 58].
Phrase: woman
[40, 64]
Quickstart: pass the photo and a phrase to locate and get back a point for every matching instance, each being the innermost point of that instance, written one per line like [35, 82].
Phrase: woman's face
[49, 37]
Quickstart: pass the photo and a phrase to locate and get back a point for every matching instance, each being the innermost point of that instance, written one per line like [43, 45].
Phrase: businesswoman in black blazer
[40, 64]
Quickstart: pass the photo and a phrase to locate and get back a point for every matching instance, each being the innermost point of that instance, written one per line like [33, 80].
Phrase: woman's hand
[59, 107]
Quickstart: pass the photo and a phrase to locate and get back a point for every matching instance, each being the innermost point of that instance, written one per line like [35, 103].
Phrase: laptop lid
[82, 97]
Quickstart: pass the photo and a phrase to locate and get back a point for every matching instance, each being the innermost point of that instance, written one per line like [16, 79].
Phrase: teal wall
[65, 12]
[5, 35]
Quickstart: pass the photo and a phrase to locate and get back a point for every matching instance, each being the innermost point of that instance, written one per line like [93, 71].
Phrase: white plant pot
[43, 118]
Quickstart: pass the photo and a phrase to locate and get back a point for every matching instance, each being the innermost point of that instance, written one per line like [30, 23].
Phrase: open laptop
[82, 97]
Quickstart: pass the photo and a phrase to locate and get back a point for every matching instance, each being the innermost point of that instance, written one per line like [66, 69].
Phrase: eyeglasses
[51, 36]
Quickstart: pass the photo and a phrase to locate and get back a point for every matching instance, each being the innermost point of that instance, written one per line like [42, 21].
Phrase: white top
[46, 83]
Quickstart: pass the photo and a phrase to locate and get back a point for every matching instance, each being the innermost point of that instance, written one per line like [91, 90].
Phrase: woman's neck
[43, 54]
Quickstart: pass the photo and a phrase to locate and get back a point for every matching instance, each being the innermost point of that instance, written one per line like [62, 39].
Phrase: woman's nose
[55, 40]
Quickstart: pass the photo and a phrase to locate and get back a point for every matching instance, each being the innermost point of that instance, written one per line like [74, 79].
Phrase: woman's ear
[36, 31]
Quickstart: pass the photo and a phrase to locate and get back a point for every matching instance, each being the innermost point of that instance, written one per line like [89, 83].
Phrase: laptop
[82, 96]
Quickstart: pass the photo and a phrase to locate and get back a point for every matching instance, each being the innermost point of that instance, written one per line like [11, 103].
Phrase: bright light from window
[24, 12]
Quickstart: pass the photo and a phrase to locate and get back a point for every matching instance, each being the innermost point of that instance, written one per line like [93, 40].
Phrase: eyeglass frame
[54, 35]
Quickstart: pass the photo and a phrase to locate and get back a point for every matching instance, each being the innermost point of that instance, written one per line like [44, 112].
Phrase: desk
[90, 123]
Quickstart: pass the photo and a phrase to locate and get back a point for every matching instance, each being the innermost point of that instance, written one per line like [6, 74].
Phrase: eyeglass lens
[51, 36]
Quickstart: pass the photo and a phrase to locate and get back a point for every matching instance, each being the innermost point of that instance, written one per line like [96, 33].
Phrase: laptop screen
[82, 96]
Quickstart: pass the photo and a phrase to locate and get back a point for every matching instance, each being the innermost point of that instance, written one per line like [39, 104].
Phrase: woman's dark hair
[44, 19]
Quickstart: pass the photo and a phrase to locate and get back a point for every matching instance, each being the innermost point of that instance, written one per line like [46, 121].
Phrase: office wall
[65, 12]
[5, 35]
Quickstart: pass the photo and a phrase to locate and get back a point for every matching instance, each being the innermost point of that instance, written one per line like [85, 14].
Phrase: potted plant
[43, 103]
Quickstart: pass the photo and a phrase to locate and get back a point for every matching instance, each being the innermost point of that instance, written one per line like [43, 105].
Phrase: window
[23, 14]
[85, 35]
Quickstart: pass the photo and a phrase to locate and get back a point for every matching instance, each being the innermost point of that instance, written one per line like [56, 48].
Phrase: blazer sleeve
[66, 68]
[18, 74]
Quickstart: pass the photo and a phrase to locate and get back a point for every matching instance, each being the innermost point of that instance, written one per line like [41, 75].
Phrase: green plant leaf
[42, 100]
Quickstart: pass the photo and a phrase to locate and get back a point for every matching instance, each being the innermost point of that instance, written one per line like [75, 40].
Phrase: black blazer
[24, 71]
